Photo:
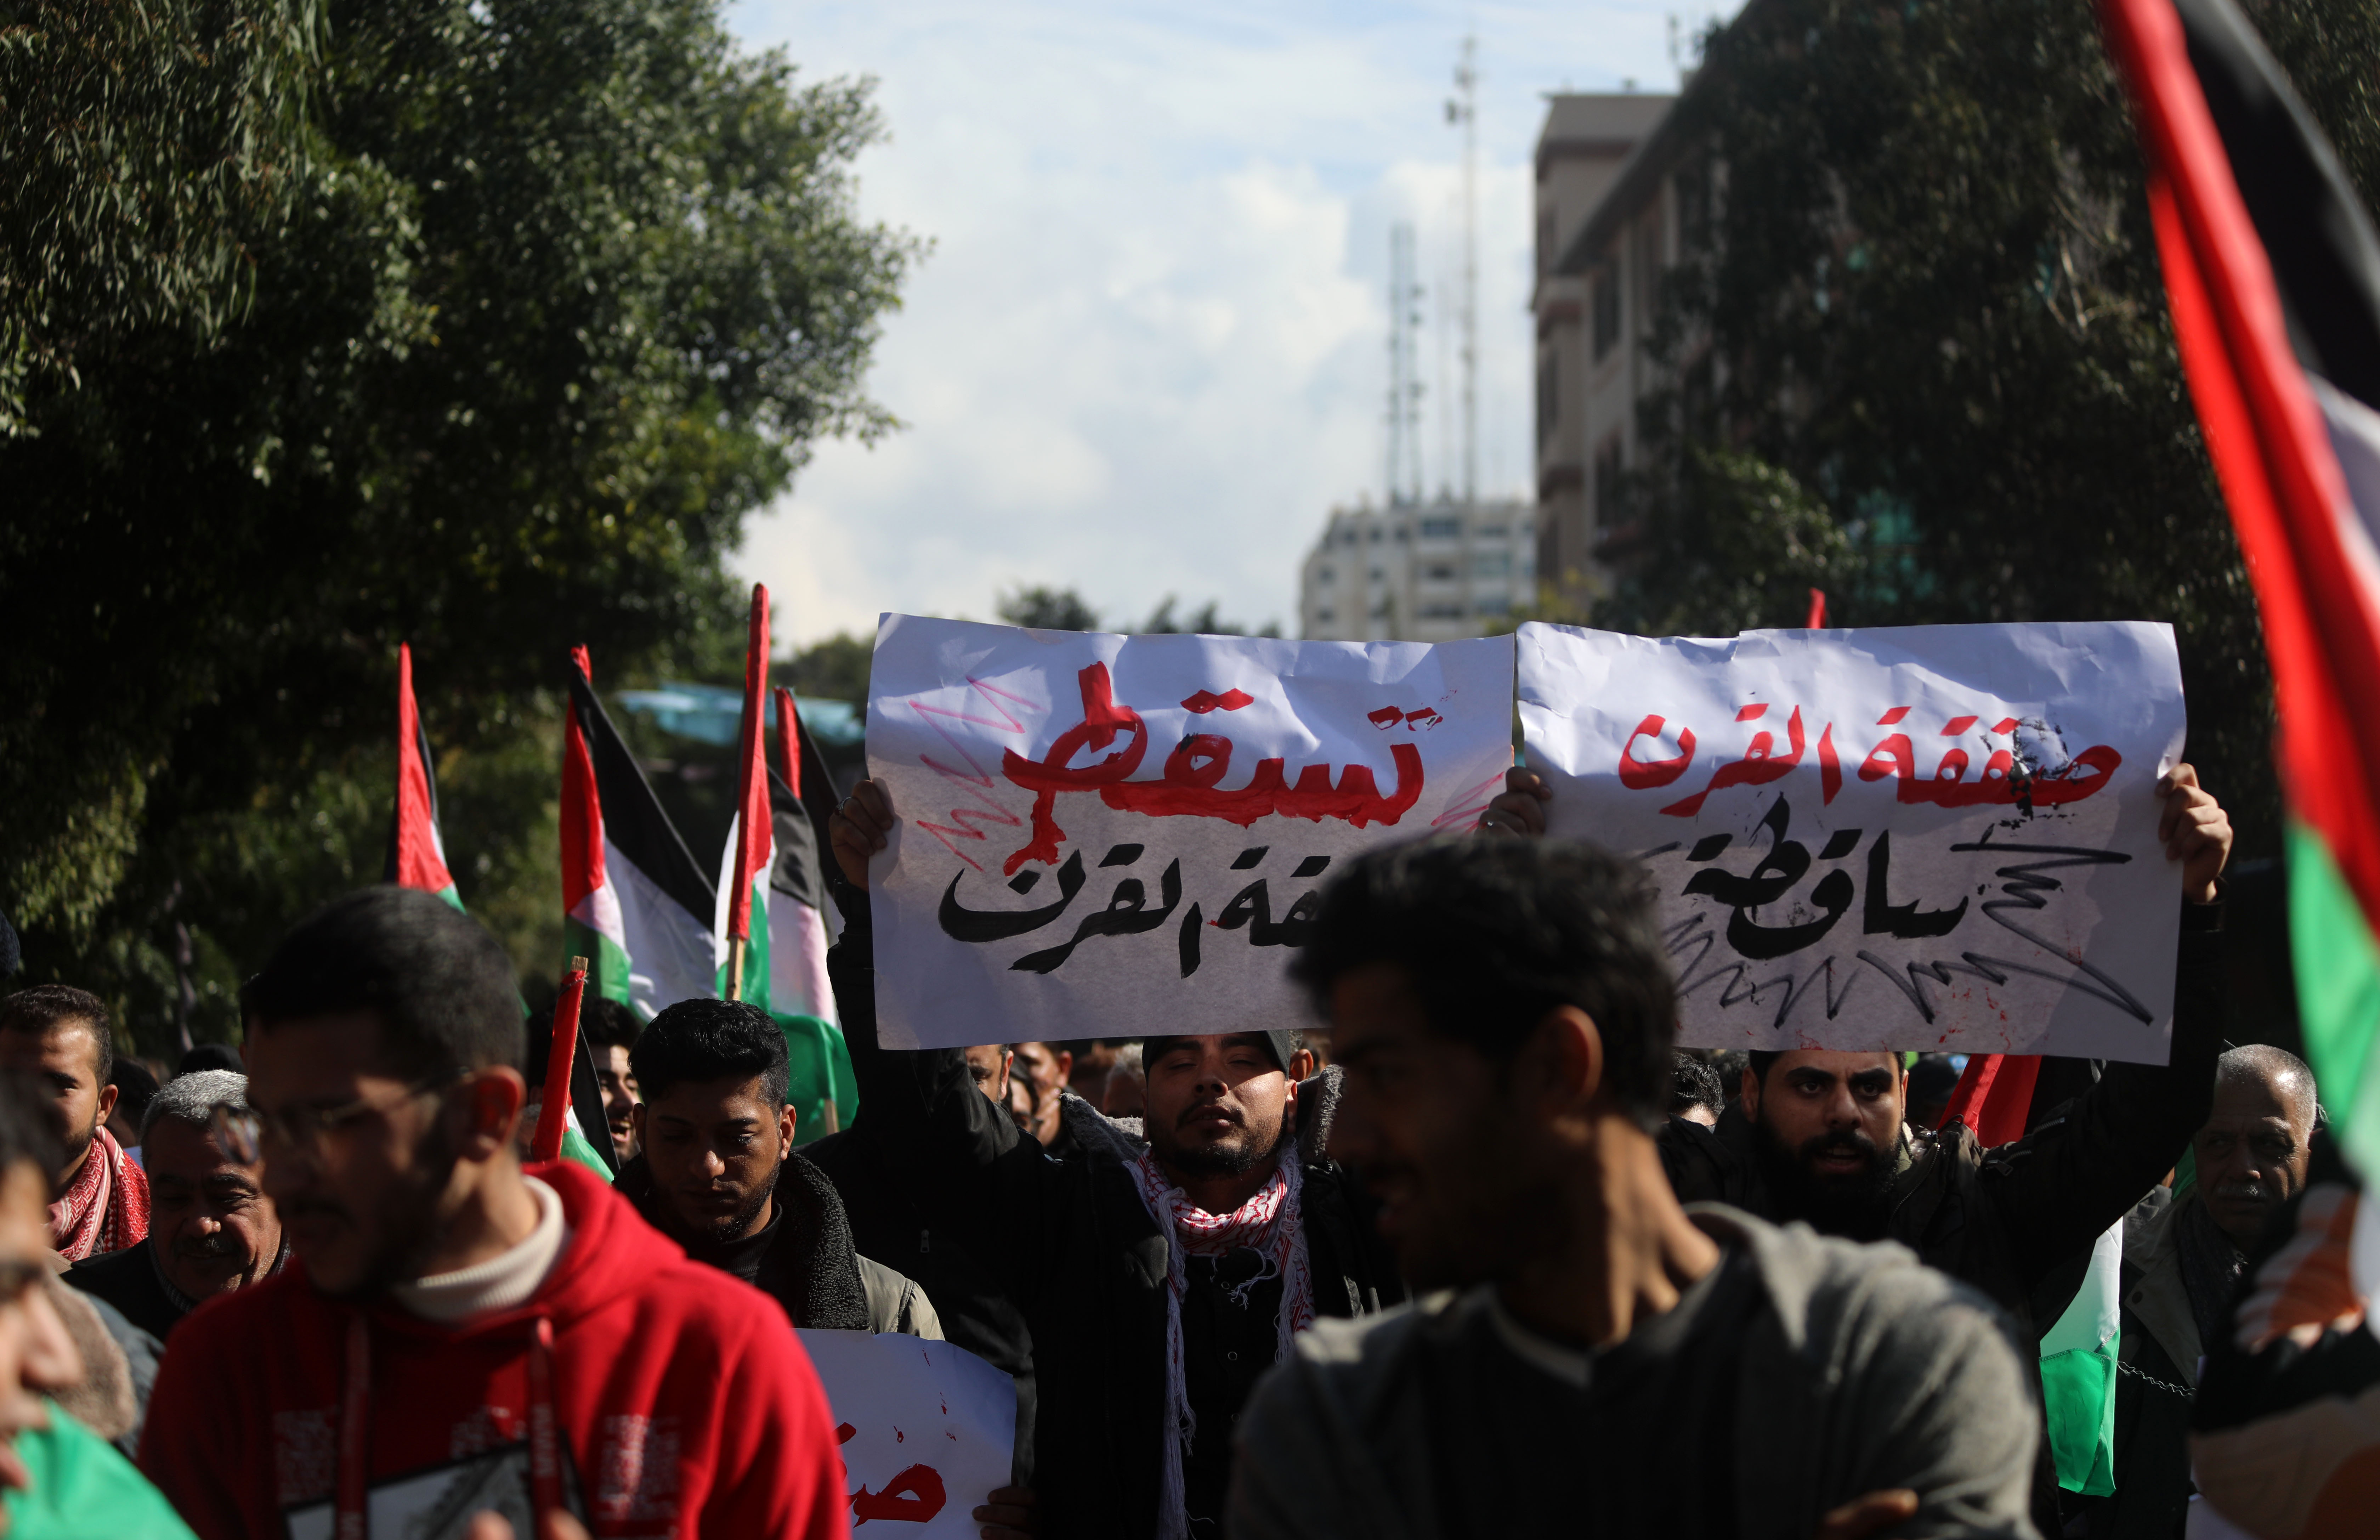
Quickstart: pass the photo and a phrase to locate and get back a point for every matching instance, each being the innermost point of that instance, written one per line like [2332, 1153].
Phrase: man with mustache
[2183, 1261]
[1821, 1136]
[211, 1230]
[59, 1035]
[1162, 1269]
[453, 1333]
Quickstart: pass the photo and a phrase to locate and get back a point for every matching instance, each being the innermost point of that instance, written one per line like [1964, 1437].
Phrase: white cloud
[1148, 352]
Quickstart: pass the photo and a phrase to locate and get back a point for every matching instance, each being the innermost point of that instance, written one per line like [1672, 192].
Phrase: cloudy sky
[1148, 352]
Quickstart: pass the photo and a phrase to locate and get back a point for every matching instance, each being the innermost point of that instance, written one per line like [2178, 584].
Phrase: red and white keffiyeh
[108, 1208]
[1271, 1225]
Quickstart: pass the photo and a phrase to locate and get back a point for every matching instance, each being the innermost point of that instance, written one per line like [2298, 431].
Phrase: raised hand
[858, 830]
[2196, 831]
[1521, 808]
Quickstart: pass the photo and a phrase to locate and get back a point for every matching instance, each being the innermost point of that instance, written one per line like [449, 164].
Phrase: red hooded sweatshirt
[684, 1404]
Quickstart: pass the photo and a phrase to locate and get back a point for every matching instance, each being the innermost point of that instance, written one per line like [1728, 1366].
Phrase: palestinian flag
[801, 925]
[637, 905]
[750, 834]
[417, 852]
[2272, 271]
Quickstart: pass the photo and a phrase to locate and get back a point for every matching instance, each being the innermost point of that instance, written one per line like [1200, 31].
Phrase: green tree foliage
[139, 142]
[568, 289]
[835, 669]
[1920, 297]
[1045, 609]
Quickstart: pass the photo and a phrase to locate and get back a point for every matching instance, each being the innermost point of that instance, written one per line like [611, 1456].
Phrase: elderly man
[2183, 1262]
[60, 1037]
[211, 1227]
[56, 1477]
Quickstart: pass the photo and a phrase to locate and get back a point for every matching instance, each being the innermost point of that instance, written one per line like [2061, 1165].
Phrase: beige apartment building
[1417, 572]
[1608, 202]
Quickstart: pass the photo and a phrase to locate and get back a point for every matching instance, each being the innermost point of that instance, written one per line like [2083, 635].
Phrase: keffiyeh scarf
[108, 1208]
[1271, 1225]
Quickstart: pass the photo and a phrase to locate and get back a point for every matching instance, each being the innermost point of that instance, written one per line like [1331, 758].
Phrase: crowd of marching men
[1508, 1263]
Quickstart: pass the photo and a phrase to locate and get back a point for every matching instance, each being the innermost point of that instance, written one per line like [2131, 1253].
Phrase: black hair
[605, 1023]
[1761, 1058]
[25, 1131]
[211, 1056]
[1694, 1083]
[135, 1089]
[709, 1039]
[439, 984]
[35, 1011]
[1494, 933]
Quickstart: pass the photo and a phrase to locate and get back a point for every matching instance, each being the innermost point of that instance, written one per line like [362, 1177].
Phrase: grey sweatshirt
[1859, 1370]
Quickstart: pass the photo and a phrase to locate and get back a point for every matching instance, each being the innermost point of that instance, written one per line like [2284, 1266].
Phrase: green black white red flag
[741, 945]
[2272, 271]
[637, 905]
[822, 1086]
[417, 851]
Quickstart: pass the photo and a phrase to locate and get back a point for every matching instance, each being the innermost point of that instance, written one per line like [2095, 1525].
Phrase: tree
[1041, 608]
[1920, 288]
[835, 669]
[568, 290]
[136, 142]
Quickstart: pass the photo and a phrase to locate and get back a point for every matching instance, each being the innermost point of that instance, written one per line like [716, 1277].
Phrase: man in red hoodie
[456, 1335]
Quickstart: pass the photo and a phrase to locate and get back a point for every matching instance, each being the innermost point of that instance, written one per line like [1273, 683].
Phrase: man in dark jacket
[1163, 1269]
[1821, 1136]
[717, 1173]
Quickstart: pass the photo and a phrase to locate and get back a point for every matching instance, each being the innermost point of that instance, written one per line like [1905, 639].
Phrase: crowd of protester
[1509, 1263]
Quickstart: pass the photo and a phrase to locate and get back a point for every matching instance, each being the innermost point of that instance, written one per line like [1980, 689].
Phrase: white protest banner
[1940, 838]
[928, 1429]
[1101, 835]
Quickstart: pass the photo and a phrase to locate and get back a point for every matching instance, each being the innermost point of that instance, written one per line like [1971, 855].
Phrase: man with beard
[718, 1173]
[454, 1334]
[1822, 1137]
[1162, 1269]
[2183, 1261]
[59, 1035]
[211, 1230]
[1613, 1363]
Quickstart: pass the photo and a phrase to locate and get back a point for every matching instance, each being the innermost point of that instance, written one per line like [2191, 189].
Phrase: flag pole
[734, 967]
[554, 1112]
[752, 818]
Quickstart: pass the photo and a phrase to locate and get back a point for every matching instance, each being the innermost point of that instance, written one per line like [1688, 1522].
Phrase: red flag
[554, 1112]
[753, 821]
[789, 743]
[417, 857]
[1994, 1096]
[1818, 621]
[582, 810]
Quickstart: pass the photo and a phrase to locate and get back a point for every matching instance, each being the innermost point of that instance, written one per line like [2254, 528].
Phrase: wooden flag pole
[554, 1112]
[734, 967]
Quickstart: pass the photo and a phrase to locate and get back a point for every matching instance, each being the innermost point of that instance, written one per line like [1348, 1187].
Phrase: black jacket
[2004, 1218]
[129, 1279]
[924, 1242]
[1073, 1246]
[809, 1264]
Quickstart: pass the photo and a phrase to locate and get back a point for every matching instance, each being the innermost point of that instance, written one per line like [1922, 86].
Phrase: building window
[1491, 604]
[1326, 574]
[1378, 576]
[1440, 528]
[1441, 612]
[1375, 533]
[1607, 483]
[1491, 563]
[1492, 531]
[1548, 393]
[1607, 308]
[1324, 617]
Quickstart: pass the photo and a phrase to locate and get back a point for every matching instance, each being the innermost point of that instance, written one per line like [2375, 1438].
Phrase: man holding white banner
[1203, 784]
[1970, 838]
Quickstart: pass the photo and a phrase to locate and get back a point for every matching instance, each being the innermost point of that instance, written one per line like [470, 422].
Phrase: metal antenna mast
[1405, 369]
[1464, 108]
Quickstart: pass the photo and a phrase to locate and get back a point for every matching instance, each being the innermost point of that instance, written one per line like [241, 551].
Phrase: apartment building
[1607, 190]
[1418, 571]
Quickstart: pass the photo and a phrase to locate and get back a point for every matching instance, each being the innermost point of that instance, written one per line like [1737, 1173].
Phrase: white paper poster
[1940, 838]
[1104, 836]
[928, 1429]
